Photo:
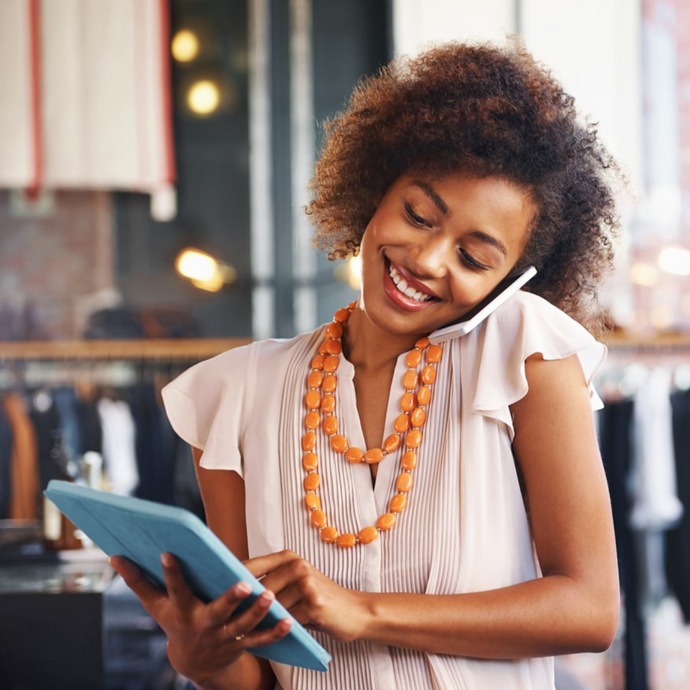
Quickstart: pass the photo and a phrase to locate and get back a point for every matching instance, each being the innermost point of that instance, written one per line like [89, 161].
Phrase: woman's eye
[472, 262]
[415, 217]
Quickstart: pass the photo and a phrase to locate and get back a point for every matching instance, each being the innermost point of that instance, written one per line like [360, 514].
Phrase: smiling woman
[436, 514]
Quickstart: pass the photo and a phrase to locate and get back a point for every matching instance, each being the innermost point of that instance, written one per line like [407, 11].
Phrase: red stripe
[35, 67]
[170, 174]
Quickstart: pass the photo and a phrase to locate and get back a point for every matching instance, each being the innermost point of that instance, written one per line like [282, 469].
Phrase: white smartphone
[471, 320]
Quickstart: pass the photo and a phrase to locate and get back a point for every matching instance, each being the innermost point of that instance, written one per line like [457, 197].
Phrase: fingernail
[166, 560]
[285, 624]
[242, 588]
[267, 596]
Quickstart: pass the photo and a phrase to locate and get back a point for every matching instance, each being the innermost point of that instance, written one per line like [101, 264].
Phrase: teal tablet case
[142, 530]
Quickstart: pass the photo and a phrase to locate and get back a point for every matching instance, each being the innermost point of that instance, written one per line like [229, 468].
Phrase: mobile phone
[475, 316]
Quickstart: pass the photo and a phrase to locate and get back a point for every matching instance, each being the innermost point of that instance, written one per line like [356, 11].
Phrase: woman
[436, 515]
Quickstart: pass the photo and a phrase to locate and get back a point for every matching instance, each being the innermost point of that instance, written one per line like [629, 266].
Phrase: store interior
[154, 162]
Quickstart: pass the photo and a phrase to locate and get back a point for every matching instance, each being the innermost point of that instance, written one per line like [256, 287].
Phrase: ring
[237, 637]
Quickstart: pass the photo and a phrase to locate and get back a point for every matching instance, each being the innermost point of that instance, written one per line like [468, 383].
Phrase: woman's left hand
[314, 600]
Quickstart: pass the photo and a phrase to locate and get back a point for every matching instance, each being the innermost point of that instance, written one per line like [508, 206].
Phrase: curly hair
[484, 110]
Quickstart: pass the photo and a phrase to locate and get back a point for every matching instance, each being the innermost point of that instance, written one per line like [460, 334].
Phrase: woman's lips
[410, 303]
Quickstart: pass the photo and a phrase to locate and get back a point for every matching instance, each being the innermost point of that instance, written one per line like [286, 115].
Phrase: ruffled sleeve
[205, 407]
[525, 325]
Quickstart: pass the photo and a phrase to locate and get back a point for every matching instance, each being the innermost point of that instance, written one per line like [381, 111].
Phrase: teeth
[406, 289]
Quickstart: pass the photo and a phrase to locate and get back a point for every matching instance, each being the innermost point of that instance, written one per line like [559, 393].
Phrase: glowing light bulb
[675, 260]
[203, 98]
[185, 46]
[643, 274]
[196, 265]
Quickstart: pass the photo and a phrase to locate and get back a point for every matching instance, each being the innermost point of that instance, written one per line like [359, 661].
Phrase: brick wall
[50, 261]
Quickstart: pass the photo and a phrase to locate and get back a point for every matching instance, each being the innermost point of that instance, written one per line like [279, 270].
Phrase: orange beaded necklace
[320, 399]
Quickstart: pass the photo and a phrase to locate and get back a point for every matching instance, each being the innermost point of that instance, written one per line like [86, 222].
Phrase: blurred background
[154, 157]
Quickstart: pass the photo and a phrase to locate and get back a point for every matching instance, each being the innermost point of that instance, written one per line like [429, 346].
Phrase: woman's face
[435, 247]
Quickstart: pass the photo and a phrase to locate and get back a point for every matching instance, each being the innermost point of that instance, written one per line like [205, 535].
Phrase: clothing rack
[171, 349]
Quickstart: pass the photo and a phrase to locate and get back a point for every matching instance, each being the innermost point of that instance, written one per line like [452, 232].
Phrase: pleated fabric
[465, 528]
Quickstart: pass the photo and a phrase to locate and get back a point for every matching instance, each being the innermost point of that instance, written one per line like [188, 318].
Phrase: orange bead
[313, 501]
[428, 374]
[334, 330]
[327, 404]
[329, 534]
[339, 443]
[392, 443]
[413, 438]
[346, 541]
[312, 400]
[413, 358]
[373, 456]
[424, 395]
[342, 315]
[309, 441]
[422, 343]
[330, 364]
[408, 402]
[314, 379]
[386, 521]
[402, 423]
[409, 460]
[398, 503]
[310, 462]
[318, 519]
[354, 455]
[418, 417]
[352, 305]
[433, 354]
[368, 534]
[333, 347]
[317, 362]
[312, 420]
[330, 383]
[404, 482]
[330, 425]
[409, 380]
[322, 349]
[312, 481]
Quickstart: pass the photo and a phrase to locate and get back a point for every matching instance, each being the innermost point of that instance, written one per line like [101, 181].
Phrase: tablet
[142, 530]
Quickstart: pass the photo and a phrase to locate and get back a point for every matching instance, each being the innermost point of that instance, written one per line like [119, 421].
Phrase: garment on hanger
[25, 499]
[677, 553]
[119, 455]
[5, 465]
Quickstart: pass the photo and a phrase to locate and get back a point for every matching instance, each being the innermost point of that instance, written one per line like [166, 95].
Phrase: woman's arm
[573, 608]
[202, 638]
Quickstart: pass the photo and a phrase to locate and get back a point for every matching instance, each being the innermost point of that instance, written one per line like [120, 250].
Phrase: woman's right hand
[203, 639]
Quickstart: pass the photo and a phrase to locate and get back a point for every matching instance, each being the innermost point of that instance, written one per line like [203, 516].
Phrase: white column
[260, 166]
[302, 136]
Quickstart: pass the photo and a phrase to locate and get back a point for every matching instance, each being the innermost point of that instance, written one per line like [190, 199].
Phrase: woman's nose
[430, 258]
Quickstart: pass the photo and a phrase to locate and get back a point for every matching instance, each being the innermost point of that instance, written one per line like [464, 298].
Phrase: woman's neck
[369, 347]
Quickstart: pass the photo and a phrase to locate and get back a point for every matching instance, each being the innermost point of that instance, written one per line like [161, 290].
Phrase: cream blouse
[465, 528]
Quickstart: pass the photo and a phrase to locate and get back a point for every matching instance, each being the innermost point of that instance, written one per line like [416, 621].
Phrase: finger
[246, 621]
[260, 638]
[178, 590]
[261, 565]
[135, 579]
[226, 604]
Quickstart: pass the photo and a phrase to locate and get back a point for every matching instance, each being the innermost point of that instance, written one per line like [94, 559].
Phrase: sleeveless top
[465, 528]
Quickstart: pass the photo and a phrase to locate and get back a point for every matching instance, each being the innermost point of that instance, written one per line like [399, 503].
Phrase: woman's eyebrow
[433, 195]
[490, 239]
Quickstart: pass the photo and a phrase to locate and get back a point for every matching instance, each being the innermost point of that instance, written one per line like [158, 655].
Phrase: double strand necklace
[320, 404]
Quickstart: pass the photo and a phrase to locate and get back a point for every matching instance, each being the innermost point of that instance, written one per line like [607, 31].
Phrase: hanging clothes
[5, 465]
[119, 454]
[25, 499]
[677, 553]
[615, 438]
